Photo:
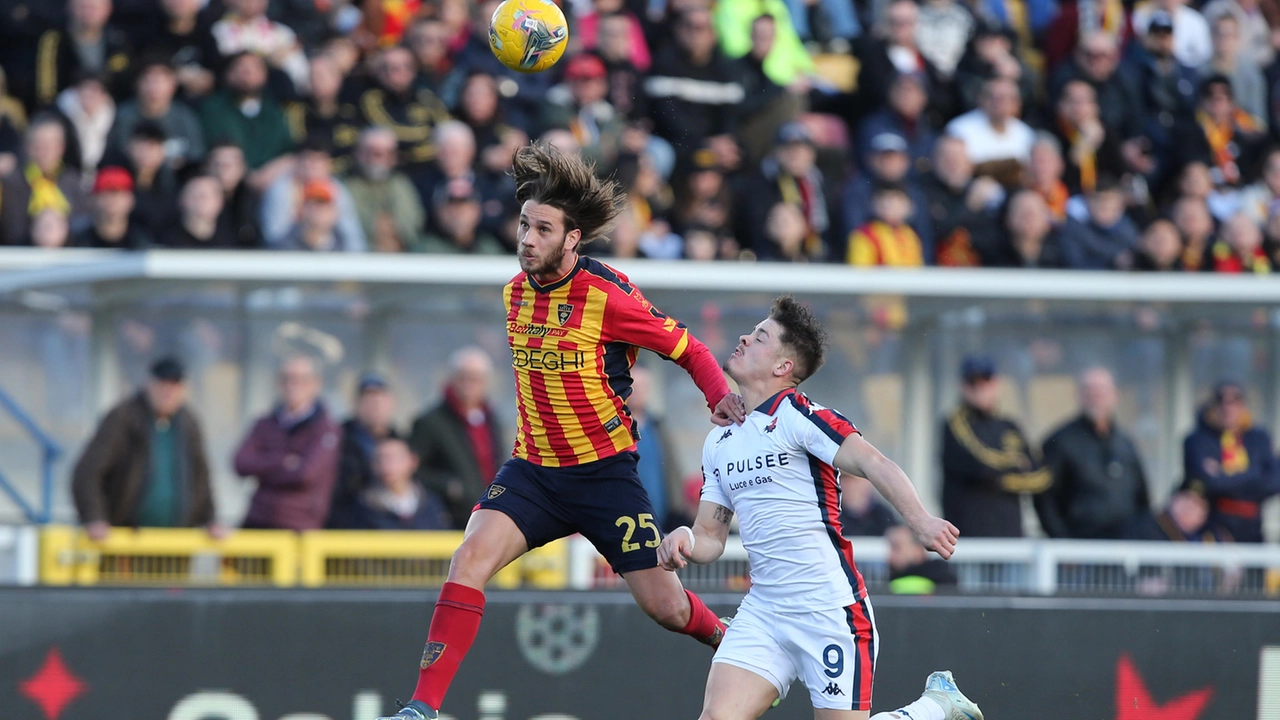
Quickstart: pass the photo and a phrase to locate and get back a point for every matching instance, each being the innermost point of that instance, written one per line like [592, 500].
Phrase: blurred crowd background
[1019, 133]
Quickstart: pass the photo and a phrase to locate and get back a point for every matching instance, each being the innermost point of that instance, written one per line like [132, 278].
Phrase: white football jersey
[775, 471]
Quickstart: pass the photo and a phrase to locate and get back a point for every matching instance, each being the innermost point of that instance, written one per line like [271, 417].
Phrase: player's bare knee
[470, 565]
[671, 613]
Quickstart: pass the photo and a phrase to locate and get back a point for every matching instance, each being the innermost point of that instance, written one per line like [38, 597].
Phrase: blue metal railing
[50, 452]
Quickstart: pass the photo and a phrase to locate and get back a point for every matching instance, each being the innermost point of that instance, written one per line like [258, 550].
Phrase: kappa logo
[432, 653]
[726, 434]
[832, 689]
[771, 426]
[563, 312]
[494, 491]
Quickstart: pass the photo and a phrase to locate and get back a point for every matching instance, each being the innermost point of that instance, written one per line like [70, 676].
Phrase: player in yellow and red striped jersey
[574, 325]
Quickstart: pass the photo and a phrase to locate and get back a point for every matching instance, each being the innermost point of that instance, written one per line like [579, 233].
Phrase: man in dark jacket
[693, 95]
[459, 442]
[394, 501]
[1098, 482]
[986, 462]
[293, 453]
[372, 423]
[1234, 461]
[146, 465]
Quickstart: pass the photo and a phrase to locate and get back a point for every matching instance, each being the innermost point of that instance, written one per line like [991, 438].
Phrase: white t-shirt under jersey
[775, 471]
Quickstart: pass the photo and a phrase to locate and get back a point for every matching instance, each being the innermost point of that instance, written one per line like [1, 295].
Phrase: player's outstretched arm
[859, 457]
[701, 544]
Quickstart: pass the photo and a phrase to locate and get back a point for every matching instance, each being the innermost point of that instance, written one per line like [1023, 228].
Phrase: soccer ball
[528, 35]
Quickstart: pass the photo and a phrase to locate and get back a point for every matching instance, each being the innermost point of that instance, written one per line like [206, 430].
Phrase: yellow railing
[275, 557]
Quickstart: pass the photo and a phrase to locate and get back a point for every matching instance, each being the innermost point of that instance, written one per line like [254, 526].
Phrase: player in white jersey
[807, 615]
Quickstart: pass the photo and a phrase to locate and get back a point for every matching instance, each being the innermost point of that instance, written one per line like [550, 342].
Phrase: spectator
[87, 112]
[862, 513]
[887, 239]
[155, 182]
[657, 465]
[49, 229]
[394, 501]
[1160, 249]
[244, 113]
[282, 203]
[784, 235]
[766, 104]
[481, 108]
[996, 141]
[739, 26]
[594, 35]
[373, 422]
[943, 33]
[1247, 83]
[86, 44]
[1090, 149]
[428, 39]
[323, 114]
[455, 222]
[185, 39]
[889, 161]
[459, 441]
[891, 50]
[1104, 239]
[1195, 225]
[1192, 43]
[390, 211]
[145, 465]
[1097, 63]
[1184, 519]
[911, 572]
[1255, 20]
[154, 102]
[703, 197]
[987, 464]
[960, 211]
[43, 181]
[1044, 175]
[455, 158]
[692, 94]
[114, 225]
[991, 55]
[200, 205]
[788, 175]
[1258, 199]
[580, 106]
[903, 116]
[1221, 135]
[1239, 249]
[317, 227]
[1098, 482]
[1030, 239]
[239, 201]
[1233, 460]
[1164, 92]
[292, 451]
[617, 47]
[247, 29]
[395, 101]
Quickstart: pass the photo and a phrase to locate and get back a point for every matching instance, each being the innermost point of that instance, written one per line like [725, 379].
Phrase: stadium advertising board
[334, 655]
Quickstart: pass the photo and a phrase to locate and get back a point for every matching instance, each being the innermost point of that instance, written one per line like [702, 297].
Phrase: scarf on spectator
[806, 194]
[1087, 161]
[1056, 198]
[395, 16]
[1225, 260]
[1220, 137]
[476, 424]
[880, 244]
[45, 193]
[1235, 459]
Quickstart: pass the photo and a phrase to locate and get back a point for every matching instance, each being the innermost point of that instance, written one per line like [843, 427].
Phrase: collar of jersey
[770, 406]
[557, 284]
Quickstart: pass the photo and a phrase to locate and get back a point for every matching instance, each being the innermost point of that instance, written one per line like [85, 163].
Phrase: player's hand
[937, 535]
[675, 549]
[729, 411]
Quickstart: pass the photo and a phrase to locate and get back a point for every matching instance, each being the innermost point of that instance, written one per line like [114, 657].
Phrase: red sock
[453, 628]
[703, 625]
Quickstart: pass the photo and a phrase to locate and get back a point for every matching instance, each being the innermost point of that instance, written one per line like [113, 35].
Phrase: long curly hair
[547, 176]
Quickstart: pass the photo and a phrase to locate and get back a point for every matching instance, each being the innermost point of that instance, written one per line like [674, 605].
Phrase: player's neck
[755, 394]
[566, 266]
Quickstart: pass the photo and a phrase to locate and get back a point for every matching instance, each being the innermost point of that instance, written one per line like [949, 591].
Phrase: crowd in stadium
[1013, 133]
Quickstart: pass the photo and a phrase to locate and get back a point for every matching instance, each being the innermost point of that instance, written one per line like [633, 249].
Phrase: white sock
[922, 709]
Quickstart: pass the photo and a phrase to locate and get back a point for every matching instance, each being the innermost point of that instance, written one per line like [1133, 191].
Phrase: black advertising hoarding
[336, 655]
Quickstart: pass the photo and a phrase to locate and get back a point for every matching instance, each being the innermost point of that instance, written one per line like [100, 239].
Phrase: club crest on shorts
[494, 491]
[432, 653]
[563, 312]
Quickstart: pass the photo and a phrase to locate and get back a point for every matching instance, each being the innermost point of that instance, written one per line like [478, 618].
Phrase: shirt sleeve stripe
[834, 425]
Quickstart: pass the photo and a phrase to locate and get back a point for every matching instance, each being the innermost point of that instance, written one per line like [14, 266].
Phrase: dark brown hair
[547, 176]
[802, 333]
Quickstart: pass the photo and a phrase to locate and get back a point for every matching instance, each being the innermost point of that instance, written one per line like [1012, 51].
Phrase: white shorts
[832, 651]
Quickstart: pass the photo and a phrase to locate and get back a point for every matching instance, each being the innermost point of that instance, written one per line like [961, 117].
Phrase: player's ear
[784, 367]
[572, 239]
